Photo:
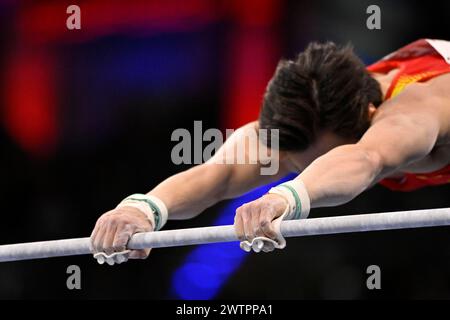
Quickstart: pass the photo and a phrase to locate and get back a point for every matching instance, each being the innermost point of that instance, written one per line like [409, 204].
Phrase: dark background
[86, 118]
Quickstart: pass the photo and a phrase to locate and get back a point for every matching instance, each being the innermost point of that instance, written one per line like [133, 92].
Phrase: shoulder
[254, 125]
[440, 86]
[248, 130]
[429, 97]
[421, 105]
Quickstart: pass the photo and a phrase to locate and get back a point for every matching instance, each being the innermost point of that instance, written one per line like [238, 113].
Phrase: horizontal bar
[193, 236]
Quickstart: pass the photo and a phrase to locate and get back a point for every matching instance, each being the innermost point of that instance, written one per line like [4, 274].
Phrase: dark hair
[326, 87]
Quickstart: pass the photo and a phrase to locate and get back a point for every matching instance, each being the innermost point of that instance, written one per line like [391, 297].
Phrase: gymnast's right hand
[112, 232]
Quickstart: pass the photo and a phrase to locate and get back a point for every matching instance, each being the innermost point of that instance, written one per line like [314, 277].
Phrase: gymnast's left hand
[254, 219]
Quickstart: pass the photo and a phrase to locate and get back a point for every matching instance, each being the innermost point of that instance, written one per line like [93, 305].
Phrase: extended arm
[395, 140]
[403, 132]
[190, 192]
[185, 195]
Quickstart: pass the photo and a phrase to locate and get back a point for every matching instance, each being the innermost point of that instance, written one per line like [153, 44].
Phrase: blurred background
[86, 118]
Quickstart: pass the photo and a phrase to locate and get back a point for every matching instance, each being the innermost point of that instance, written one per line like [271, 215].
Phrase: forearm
[340, 175]
[190, 192]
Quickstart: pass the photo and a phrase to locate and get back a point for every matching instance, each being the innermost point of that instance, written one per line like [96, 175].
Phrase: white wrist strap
[297, 197]
[151, 206]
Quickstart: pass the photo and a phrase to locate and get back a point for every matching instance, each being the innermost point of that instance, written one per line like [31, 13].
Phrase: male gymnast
[343, 127]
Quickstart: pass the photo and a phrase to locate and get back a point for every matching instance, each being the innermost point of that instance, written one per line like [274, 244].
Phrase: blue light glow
[208, 267]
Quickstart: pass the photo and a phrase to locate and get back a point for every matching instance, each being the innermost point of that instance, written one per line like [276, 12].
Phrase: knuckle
[121, 220]
[266, 205]
[264, 224]
[101, 220]
[106, 215]
[246, 216]
[128, 229]
[121, 239]
[253, 205]
[112, 222]
[105, 218]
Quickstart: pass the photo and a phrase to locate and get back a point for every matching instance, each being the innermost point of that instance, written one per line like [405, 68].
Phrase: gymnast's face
[326, 141]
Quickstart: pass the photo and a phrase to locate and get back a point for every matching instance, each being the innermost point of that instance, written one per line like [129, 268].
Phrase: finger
[139, 254]
[97, 228]
[108, 238]
[239, 225]
[121, 238]
[92, 239]
[267, 225]
[247, 224]
[95, 232]
[258, 223]
[256, 212]
[97, 243]
[254, 219]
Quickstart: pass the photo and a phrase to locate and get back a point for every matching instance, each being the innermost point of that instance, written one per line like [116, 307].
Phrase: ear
[372, 110]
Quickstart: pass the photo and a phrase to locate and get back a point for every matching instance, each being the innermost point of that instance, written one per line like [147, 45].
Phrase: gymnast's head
[322, 99]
